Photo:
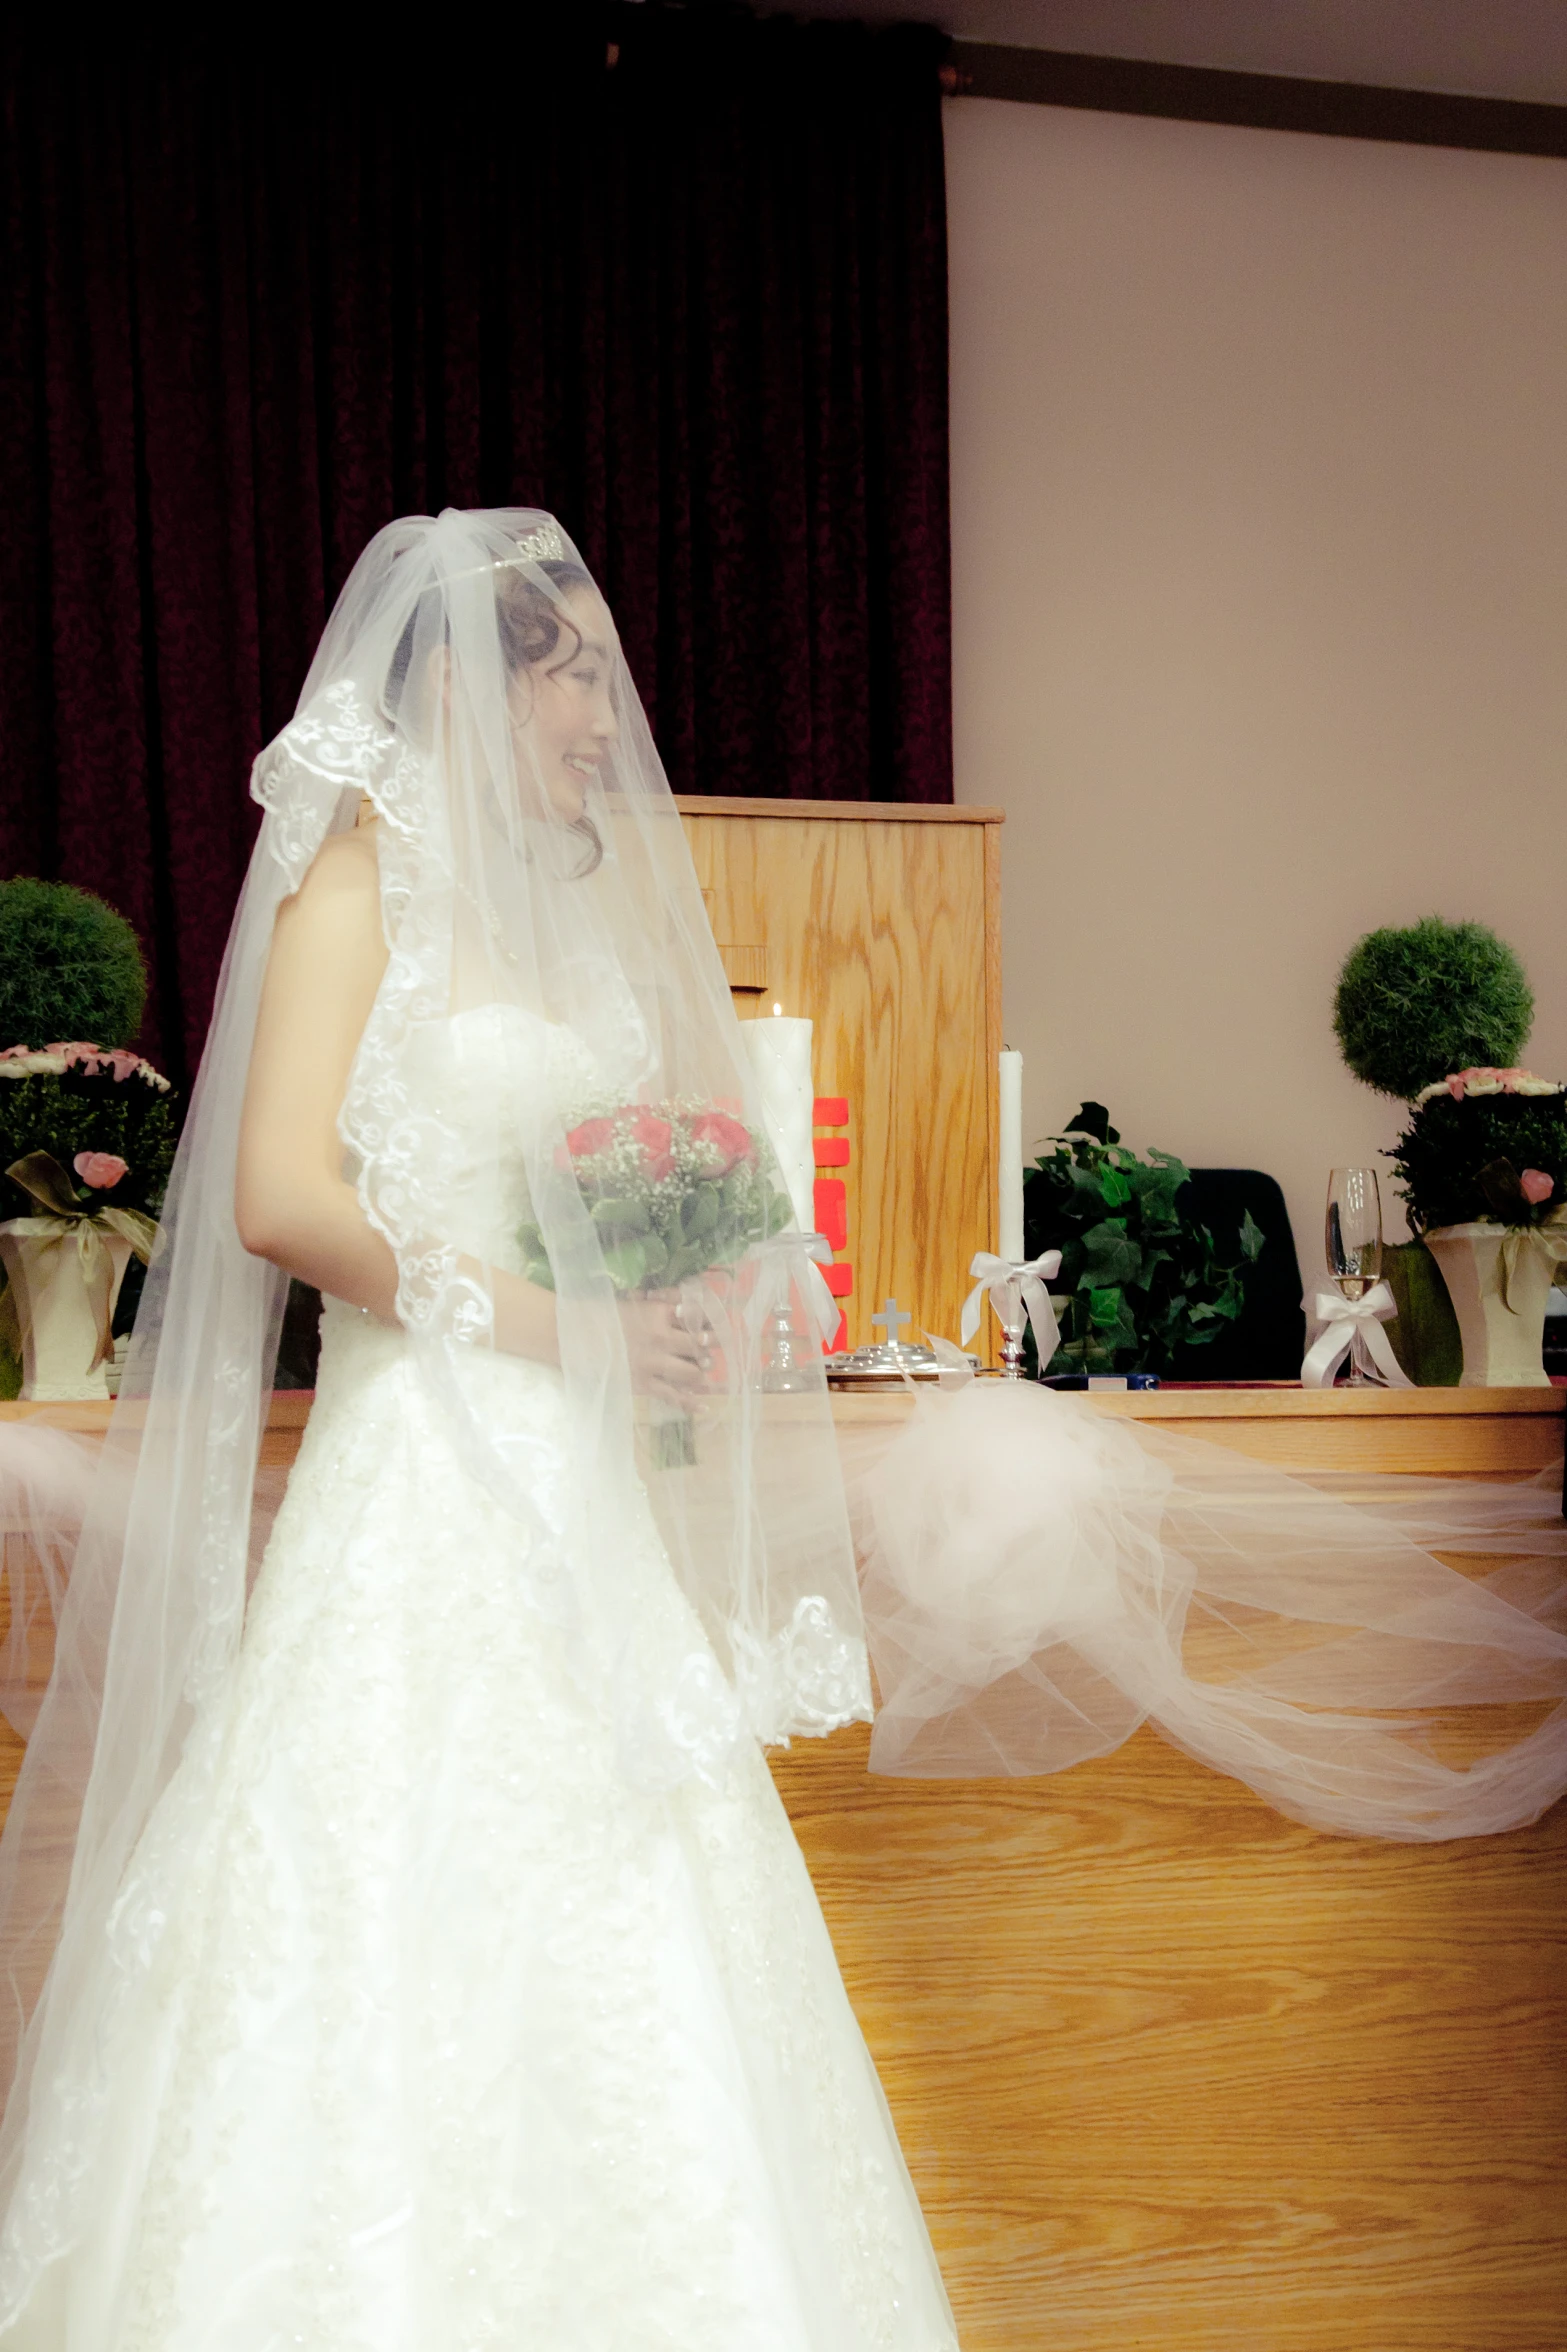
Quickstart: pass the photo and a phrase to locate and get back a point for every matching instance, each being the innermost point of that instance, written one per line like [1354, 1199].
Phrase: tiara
[545, 545]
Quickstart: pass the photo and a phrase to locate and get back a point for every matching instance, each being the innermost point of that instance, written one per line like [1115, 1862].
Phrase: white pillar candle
[1011, 1158]
[780, 1050]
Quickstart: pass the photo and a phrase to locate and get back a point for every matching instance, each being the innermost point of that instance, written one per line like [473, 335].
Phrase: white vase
[1503, 1338]
[55, 1309]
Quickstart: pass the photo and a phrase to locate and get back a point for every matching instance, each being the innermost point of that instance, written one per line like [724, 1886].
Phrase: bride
[411, 1951]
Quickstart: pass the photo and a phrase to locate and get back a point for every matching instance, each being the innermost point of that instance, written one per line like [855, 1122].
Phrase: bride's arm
[292, 1203]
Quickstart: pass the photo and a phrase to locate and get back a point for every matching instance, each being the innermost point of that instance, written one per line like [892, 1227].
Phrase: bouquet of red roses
[675, 1189]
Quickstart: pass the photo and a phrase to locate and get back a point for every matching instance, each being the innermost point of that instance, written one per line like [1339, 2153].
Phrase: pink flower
[724, 1142]
[99, 1169]
[122, 1062]
[1536, 1186]
[78, 1052]
[594, 1135]
[1461, 1080]
[14, 1053]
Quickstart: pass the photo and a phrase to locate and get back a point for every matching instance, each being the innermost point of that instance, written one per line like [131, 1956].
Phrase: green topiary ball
[71, 969]
[1415, 1005]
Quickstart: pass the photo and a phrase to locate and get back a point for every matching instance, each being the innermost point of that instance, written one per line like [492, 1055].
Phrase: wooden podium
[879, 921]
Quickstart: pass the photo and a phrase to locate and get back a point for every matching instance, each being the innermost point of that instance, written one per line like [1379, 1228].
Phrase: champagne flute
[1354, 1242]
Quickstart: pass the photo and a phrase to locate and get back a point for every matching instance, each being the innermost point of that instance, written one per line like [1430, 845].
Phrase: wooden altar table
[1410, 1432]
[1174, 2074]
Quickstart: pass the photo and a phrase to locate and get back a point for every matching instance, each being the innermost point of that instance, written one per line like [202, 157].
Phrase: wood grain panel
[1175, 2073]
[1428, 1433]
[881, 931]
[843, 812]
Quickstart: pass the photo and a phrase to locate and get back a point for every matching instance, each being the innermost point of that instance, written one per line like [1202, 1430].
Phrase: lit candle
[1011, 1157]
[780, 1050]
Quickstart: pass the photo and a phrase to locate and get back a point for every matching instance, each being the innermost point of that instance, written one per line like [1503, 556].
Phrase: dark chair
[299, 1341]
[1268, 1339]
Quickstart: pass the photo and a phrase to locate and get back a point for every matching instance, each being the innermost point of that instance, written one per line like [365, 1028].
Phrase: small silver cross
[892, 1320]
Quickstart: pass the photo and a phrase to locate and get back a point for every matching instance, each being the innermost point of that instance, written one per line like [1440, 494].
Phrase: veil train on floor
[1378, 1656]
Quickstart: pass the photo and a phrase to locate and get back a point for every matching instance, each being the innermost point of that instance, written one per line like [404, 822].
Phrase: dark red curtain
[679, 277]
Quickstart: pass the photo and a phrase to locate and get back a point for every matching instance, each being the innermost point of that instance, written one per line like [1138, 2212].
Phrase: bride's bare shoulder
[333, 920]
[345, 863]
[343, 884]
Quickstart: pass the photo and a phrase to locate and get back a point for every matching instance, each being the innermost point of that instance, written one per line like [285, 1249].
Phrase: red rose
[652, 1137]
[594, 1135]
[724, 1142]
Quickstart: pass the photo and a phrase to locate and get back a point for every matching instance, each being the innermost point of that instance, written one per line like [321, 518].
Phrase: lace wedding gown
[427, 2032]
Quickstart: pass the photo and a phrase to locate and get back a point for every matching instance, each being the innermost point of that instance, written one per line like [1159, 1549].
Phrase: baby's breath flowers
[675, 1188]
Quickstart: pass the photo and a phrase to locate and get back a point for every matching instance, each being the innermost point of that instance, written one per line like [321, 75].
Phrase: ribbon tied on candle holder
[1341, 1319]
[774, 1262]
[1016, 1288]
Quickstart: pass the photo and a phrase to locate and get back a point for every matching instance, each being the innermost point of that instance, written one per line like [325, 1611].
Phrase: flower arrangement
[1142, 1280]
[87, 1137]
[1485, 1146]
[106, 1115]
[1464, 1083]
[675, 1189]
[1437, 1013]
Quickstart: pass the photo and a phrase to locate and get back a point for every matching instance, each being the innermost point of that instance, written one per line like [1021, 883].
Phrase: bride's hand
[665, 1359]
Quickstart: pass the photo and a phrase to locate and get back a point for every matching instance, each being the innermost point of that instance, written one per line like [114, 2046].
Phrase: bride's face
[563, 720]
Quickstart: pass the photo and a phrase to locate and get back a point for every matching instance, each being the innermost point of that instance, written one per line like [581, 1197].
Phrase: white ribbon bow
[1342, 1318]
[1015, 1290]
[775, 1261]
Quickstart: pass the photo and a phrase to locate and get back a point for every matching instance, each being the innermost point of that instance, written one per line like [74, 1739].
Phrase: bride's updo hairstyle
[532, 623]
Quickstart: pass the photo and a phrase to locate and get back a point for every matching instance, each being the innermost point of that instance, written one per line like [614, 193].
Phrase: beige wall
[1260, 583]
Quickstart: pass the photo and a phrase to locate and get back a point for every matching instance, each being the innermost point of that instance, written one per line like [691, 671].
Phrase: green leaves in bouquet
[631, 1264]
[627, 1216]
[1142, 1280]
[702, 1215]
[536, 1257]
[675, 1232]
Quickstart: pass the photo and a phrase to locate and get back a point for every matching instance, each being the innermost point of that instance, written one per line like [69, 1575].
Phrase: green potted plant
[1436, 1014]
[87, 1135]
[1139, 1280]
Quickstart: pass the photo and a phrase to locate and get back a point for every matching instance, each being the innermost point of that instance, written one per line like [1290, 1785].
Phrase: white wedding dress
[422, 2029]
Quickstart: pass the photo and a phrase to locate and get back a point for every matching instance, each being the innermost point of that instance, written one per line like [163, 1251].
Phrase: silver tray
[842, 1373]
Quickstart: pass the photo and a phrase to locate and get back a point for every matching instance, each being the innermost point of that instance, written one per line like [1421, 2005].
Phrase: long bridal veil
[503, 904]
[1379, 1656]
